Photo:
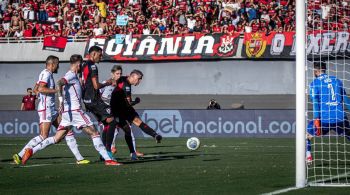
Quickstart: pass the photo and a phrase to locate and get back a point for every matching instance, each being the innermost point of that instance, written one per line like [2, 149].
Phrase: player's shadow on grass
[156, 157]
[46, 158]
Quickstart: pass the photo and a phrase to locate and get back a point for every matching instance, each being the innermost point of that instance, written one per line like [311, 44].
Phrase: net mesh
[327, 41]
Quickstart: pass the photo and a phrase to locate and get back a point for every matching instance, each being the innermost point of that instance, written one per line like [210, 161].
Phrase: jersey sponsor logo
[93, 67]
[256, 46]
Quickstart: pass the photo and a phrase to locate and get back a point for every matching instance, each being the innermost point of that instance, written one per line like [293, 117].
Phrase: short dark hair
[29, 89]
[115, 68]
[136, 71]
[95, 48]
[320, 65]
[52, 59]
[75, 58]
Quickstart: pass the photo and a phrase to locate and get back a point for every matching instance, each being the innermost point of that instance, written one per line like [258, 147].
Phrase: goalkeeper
[328, 98]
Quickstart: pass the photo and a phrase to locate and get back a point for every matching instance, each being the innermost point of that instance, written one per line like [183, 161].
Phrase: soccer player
[106, 93]
[28, 101]
[328, 98]
[92, 97]
[48, 114]
[122, 107]
[72, 114]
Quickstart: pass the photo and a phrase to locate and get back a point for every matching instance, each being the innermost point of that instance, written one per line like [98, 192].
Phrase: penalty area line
[282, 191]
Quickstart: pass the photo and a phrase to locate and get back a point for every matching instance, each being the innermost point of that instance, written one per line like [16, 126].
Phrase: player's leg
[114, 147]
[70, 138]
[101, 149]
[44, 128]
[147, 129]
[47, 142]
[128, 138]
[138, 153]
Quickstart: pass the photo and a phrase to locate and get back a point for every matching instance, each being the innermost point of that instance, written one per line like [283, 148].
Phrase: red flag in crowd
[54, 43]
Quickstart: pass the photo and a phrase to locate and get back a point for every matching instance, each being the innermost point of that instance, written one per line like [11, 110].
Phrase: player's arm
[42, 88]
[315, 99]
[22, 104]
[135, 101]
[60, 84]
[36, 89]
[97, 85]
[346, 99]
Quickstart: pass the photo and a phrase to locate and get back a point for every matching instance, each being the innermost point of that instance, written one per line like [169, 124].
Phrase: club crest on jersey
[255, 47]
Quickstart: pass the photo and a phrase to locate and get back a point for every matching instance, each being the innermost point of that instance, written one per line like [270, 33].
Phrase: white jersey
[46, 100]
[72, 92]
[106, 93]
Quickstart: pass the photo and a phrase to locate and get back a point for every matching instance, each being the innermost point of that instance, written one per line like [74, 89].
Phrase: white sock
[48, 141]
[73, 146]
[133, 140]
[31, 144]
[100, 147]
[115, 137]
[308, 153]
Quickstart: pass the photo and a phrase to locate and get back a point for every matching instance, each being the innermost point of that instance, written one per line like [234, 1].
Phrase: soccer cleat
[112, 163]
[83, 162]
[27, 154]
[114, 149]
[158, 138]
[133, 156]
[139, 154]
[17, 159]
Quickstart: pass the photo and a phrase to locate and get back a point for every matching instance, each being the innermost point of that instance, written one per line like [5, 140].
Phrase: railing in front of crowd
[39, 39]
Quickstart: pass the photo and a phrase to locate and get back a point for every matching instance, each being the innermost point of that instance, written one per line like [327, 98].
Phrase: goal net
[327, 150]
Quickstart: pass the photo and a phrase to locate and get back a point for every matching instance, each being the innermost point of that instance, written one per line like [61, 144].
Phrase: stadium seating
[85, 18]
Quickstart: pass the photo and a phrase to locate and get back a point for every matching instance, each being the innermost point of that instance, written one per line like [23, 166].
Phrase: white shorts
[48, 115]
[76, 118]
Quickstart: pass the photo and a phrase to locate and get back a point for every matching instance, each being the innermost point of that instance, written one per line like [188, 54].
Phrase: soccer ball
[193, 143]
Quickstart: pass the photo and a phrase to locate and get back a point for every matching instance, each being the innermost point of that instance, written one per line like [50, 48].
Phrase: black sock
[128, 138]
[147, 129]
[104, 134]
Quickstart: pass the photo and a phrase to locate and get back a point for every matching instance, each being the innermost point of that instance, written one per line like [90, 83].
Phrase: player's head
[116, 72]
[135, 77]
[95, 53]
[52, 63]
[319, 68]
[29, 91]
[75, 62]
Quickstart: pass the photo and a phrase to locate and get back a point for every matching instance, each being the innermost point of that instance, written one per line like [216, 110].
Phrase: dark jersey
[121, 93]
[29, 102]
[90, 94]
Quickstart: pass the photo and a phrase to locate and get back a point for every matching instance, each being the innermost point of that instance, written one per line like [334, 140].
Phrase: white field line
[281, 191]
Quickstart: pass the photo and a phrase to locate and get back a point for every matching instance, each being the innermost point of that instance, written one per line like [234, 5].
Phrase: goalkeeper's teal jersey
[327, 95]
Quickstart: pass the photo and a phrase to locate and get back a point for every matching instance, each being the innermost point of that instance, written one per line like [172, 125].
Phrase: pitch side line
[281, 191]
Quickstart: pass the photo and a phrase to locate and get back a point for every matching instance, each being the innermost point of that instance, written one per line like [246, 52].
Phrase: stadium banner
[220, 46]
[53, 43]
[175, 47]
[178, 123]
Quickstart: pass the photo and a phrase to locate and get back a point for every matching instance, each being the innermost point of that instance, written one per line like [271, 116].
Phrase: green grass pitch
[220, 166]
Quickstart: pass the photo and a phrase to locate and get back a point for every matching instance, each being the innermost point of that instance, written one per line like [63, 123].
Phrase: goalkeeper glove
[317, 125]
[136, 101]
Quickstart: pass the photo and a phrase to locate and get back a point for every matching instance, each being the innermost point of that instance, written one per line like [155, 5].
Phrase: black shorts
[125, 113]
[100, 109]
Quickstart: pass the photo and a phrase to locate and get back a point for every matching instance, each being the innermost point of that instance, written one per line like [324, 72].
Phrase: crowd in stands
[37, 18]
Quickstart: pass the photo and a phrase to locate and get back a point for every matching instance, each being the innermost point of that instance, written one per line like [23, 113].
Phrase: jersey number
[330, 87]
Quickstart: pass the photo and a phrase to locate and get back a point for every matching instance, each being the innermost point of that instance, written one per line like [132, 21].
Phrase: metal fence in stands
[38, 39]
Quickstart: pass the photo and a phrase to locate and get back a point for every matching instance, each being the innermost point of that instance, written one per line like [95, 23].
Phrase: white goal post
[328, 152]
[300, 93]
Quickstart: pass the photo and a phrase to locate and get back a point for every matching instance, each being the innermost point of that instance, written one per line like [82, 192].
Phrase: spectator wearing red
[28, 101]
